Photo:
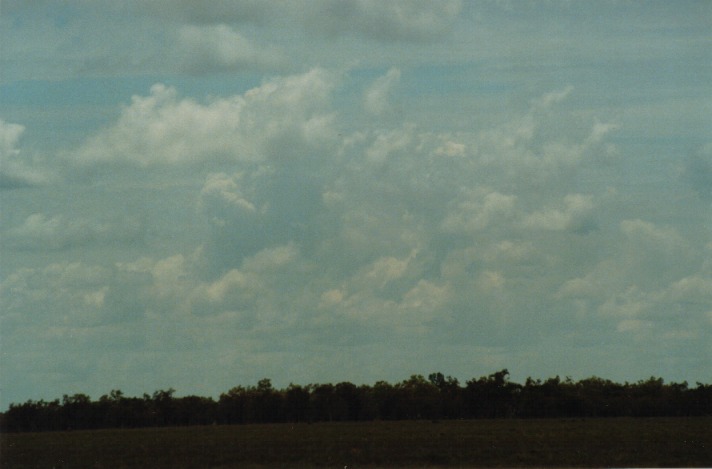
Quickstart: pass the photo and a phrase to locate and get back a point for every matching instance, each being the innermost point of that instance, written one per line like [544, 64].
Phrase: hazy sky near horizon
[201, 194]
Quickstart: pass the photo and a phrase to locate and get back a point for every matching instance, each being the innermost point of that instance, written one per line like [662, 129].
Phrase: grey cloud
[8, 182]
[418, 21]
[207, 49]
[392, 233]
[386, 21]
[216, 11]
[43, 232]
[698, 171]
[573, 216]
[284, 206]
[332, 224]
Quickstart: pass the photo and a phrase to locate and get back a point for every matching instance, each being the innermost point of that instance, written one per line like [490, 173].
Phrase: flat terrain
[477, 443]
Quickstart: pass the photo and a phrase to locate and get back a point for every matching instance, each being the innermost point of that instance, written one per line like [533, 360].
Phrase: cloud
[376, 97]
[478, 210]
[9, 136]
[47, 233]
[207, 49]
[217, 11]
[389, 144]
[530, 149]
[281, 117]
[450, 148]
[15, 169]
[698, 171]
[71, 295]
[314, 232]
[640, 231]
[160, 129]
[417, 21]
[552, 97]
[387, 269]
[693, 289]
[574, 215]
[421, 201]
[677, 312]
[227, 191]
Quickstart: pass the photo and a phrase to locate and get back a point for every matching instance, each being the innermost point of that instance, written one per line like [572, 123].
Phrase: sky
[197, 195]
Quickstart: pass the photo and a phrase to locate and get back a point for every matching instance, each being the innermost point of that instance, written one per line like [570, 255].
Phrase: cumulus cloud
[530, 150]
[162, 128]
[478, 210]
[363, 203]
[206, 49]
[647, 233]
[9, 136]
[377, 96]
[71, 297]
[43, 232]
[15, 169]
[573, 216]
[225, 189]
[328, 222]
[314, 232]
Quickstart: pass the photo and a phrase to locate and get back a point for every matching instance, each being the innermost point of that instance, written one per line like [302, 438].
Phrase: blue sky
[199, 195]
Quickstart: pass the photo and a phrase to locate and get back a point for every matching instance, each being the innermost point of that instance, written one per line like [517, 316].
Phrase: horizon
[328, 191]
[434, 379]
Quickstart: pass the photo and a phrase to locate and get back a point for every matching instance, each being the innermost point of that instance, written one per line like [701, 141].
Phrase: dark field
[627, 442]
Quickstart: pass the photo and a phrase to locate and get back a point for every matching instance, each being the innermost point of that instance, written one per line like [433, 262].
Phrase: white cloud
[205, 49]
[391, 143]
[272, 120]
[67, 296]
[226, 189]
[9, 136]
[553, 97]
[160, 129]
[451, 149]
[43, 232]
[387, 269]
[427, 190]
[693, 289]
[15, 168]
[376, 98]
[599, 131]
[425, 301]
[478, 210]
[489, 281]
[572, 216]
[648, 234]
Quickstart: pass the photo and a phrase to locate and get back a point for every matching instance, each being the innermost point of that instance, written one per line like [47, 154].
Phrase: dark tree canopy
[437, 397]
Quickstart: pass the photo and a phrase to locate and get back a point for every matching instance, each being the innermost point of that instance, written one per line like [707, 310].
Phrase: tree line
[435, 397]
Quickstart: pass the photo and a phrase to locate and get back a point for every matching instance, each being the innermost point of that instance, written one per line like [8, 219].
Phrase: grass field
[478, 443]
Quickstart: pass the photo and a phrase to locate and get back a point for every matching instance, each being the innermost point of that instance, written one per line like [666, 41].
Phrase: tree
[348, 401]
[419, 398]
[297, 403]
[449, 395]
[232, 405]
[491, 397]
[76, 412]
[321, 402]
